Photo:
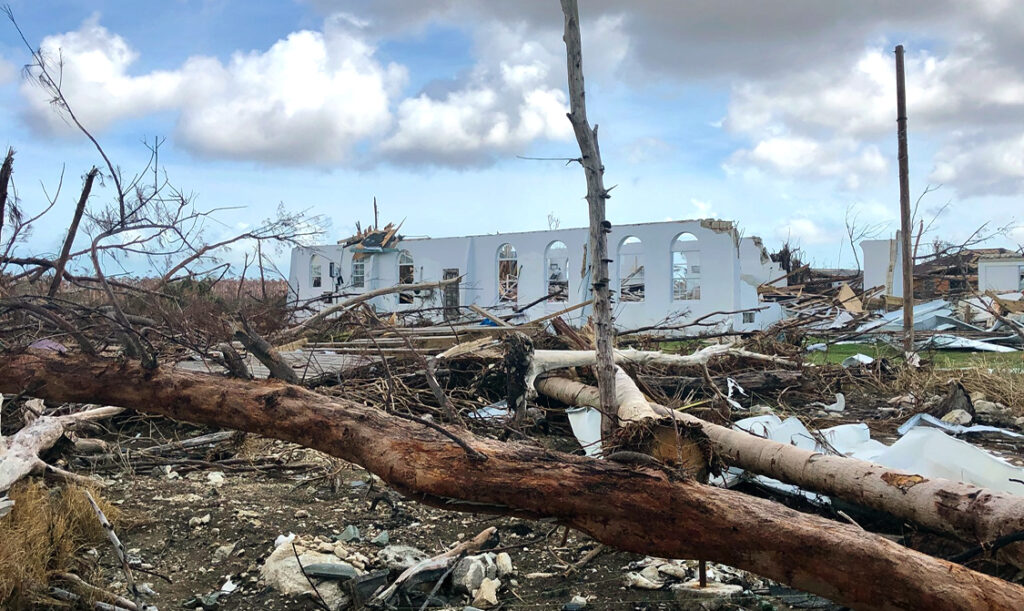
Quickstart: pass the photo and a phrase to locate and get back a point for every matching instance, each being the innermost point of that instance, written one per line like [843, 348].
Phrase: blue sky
[779, 116]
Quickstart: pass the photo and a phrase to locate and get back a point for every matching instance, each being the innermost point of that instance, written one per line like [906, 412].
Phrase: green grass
[950, 359]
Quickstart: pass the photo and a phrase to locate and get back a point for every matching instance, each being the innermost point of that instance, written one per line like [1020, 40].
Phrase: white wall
[878, 254]
[718, 250]
[1002, 275]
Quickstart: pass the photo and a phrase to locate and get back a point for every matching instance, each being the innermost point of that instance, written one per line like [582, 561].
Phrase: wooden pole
[908, 259]
[590, 159]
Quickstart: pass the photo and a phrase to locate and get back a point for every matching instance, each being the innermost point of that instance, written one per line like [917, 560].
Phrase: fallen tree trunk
[635, 509]
[966, 511]
[548, 360]
[19, 454]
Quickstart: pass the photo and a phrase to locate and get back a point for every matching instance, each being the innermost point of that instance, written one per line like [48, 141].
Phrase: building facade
[661, 273]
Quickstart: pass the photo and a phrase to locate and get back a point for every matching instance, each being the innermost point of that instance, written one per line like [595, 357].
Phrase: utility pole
[908, 257]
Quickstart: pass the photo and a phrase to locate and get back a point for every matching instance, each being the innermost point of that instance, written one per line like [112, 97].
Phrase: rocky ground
[207, 532]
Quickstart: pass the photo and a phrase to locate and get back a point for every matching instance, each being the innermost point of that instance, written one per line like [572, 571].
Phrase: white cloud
[986, 165]
[703, 209]
[507, 101]
[833, 123]
[309, 98]
[804, 232]
[7, 71]
[92, 65]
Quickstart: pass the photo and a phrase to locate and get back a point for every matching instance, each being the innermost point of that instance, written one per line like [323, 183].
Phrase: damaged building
[661, 273]
[957, 272]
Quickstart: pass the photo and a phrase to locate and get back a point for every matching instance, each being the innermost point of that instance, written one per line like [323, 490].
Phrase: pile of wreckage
[838, 311]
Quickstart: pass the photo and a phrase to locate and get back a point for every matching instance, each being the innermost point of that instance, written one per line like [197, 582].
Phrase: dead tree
[590, 159]
[633, 508]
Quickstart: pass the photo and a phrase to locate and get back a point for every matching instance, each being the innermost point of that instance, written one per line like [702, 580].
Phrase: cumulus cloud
[314, 97]
[509, 99]
[92, 65]
[309, 98]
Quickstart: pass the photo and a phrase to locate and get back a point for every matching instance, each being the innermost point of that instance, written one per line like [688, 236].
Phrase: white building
[1001, 273]
[674, 270]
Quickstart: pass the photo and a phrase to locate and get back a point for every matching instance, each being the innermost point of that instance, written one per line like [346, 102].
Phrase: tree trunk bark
[590, 159]
[635, 509]
[966, 511]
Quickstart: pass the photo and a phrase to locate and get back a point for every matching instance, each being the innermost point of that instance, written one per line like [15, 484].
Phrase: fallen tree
[632, 508]
[966, 511]
[548, 360]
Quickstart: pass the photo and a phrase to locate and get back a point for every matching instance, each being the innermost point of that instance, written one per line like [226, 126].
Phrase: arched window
[556, 266]
[631, 269]
[406, 274]
[316, 271]
[685, 268]
[508, 274]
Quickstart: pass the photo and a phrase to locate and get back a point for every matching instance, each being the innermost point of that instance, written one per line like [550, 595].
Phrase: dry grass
[44, 534]
[1001, 385]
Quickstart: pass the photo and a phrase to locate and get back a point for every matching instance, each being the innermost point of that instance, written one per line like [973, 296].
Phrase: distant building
[674, 271]
[1002, 273]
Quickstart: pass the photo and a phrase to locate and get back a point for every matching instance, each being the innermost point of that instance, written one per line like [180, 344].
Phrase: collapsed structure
[675, 271]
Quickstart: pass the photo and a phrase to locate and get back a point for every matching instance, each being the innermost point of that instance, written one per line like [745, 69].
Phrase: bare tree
[599, 227]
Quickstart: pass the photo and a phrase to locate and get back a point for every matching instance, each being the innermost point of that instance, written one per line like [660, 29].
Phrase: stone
[486, 596]
[957, 416]
[382, 539]
[400, 557]
[676, 571]
[221, 553]
[281, 571]
[578, 602]
[215, 478]
[651, 573]
[471, 571]
[636, 580]
[302, 513]
[1019, 422]
[197, 521]
[504, 563]
[340, 550]
[711, 597]
[351, 533]
[989, 408]
[325, 548]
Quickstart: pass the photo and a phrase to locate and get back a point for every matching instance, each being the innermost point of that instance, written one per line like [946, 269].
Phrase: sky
[779, 115]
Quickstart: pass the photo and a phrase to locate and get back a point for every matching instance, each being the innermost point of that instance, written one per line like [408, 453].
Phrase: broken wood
[963, 510]
[307, 326]
[265, 353]
[613, 503]
[491, 317]
[21, 457]
[439, 561]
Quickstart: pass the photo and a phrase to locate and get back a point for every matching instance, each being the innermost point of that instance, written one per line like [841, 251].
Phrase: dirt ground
[164, 523]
